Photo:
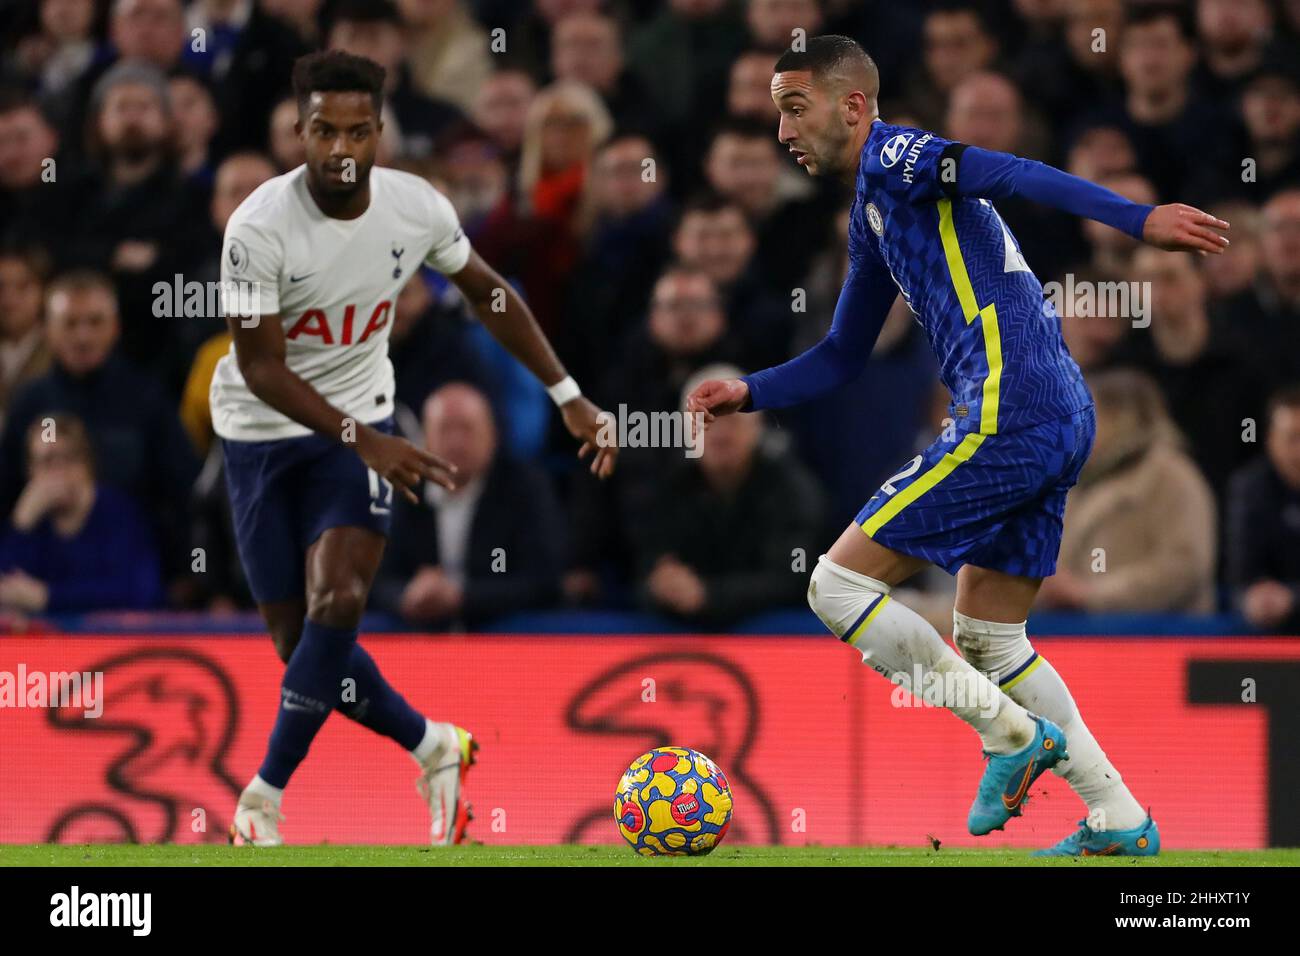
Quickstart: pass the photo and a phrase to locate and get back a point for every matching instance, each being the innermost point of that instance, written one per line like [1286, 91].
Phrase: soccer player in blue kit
[985, 500]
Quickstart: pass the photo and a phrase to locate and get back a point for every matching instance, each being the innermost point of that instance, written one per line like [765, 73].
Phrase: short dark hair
[33, 257]
[333, 71]
[1288, 396]
[1145, 14]
[744, 127]
[710, 204]
[831, 56]
[360, 11]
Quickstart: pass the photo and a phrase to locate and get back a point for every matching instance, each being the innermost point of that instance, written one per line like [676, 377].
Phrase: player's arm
[504, 314]
[839, 358]
[260, 351]
[964, 170]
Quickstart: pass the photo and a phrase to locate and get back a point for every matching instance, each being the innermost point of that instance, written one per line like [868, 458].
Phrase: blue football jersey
[997, 339]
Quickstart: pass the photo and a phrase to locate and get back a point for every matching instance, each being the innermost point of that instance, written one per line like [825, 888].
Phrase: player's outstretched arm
[992, 175]
[836, 360]
[511, 323]
[260, 351]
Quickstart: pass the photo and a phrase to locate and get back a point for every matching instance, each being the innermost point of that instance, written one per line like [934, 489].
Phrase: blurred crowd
[617, 161]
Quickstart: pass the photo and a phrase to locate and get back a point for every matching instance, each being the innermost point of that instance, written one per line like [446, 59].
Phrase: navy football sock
[312, 686]
[376, 706]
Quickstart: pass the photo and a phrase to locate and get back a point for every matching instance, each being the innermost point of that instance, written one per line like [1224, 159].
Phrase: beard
[135, 145]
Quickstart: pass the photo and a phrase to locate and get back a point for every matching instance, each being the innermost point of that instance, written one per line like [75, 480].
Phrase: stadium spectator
[686, 328]
[430, 346]
[534, 235]
[715, 236]
[1189, 358]
[40, 190]
[245, 56]
[1267, 159]
[1269, 313]
[197, 123]
[587, 48]
[283, 144]
[625, 248]
[448, 51]
[956, 43]
[62, 50]
[1140, 525]
[1091, 325]
[149, 30]
[1234, 272]
[472, 172]
[71, 543]
[139, 445]
[749, 87]
[1080, 68]
[501, 110]
[24, 353]
[300, 16]
[491, 547]
[772, 23]
[1160, 114]
[1233, 36]
[140, 222]
[700, 38]
[529, 27]
[728, 527]
[743, 163]
[374, 29]
[1101, 151]
[1263, 524]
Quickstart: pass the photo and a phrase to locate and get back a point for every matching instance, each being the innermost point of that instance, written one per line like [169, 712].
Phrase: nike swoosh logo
[291, 706]
[300, 278]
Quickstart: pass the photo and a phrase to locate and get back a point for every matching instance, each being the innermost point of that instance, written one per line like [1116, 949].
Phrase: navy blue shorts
[994, 501]
[285, 494]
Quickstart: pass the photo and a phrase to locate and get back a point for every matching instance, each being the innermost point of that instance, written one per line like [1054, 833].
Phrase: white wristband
[565, 390]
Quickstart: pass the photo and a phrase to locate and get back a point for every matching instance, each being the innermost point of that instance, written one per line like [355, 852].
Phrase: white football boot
[257, 822]
[442, 785]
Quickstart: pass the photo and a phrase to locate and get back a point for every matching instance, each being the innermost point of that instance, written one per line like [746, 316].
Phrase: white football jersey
[334, 285]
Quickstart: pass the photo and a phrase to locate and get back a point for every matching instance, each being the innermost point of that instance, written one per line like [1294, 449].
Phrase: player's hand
[717, 397]
[584, 422]
[1180, 228]
[402, 464]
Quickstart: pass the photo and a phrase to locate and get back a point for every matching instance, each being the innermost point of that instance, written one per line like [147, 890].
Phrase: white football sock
[900, 644]
[1003, 652]
[434, 740]
[260, 788]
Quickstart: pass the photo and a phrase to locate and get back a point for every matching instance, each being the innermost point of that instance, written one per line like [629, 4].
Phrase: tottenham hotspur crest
[397, 260]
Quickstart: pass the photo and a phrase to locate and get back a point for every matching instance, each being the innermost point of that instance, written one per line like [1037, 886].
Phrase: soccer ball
[673, 802]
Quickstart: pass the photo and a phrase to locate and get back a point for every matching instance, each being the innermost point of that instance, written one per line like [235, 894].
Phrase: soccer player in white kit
[312, 264]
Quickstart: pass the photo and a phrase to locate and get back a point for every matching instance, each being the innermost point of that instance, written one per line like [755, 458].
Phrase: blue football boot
[1142, 840]
[1008, 777]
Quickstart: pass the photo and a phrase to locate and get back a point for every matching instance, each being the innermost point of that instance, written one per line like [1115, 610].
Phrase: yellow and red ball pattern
[673, 802]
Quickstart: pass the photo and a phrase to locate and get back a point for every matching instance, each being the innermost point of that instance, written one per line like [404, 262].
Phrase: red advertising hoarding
[815, 745]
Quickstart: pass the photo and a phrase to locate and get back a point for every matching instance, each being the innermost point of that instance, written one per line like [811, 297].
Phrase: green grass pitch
[327, 855]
